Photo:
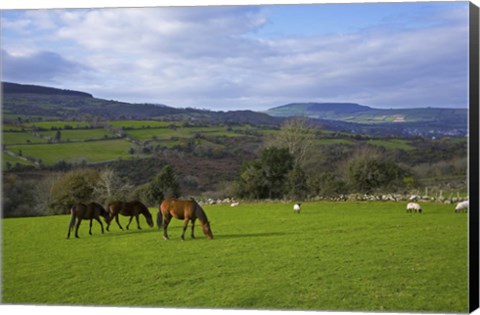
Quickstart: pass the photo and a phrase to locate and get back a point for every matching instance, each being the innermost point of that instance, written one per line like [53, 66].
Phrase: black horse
[129, 209]
[89, 211]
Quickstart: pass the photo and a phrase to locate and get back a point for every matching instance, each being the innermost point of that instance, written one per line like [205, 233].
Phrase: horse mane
[143, 208]
[199, 213]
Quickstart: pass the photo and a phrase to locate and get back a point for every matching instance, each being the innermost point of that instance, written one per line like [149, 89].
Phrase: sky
[384, 55]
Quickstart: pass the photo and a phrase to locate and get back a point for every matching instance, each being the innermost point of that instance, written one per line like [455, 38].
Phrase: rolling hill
[45, 103]
[355, 113]
[33, 102]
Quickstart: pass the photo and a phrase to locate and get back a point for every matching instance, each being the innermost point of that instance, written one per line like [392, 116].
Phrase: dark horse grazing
[89, 211]
[130, 209]
[186, 210]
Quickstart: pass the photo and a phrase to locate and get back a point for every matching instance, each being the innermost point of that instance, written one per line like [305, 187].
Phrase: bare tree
[297, 135]
[112, 187]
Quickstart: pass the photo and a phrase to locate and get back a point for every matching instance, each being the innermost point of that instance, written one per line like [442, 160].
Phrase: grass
[184, 132]
[59, 124]
[400, 144]
[79, 135]
[94, 151]
[137, 124]
[333, 256]
[12, 160]
[20, 138]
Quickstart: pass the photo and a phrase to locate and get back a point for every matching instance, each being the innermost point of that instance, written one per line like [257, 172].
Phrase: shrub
[164, 185]
[73, 187]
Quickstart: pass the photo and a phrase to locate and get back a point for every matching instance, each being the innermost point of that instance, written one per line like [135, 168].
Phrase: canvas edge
[474, 159]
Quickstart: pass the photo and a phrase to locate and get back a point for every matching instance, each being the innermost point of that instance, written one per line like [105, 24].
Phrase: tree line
[289, 165]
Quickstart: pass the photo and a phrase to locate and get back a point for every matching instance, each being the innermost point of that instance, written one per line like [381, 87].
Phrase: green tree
[73, 187]
[252, 183]
[58, 136]
[297, 183]
[266, 177]
[368, 171]
[164, 185]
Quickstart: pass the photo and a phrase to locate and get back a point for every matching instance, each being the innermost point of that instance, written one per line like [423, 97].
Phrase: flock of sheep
[411, 207]
[415, 207]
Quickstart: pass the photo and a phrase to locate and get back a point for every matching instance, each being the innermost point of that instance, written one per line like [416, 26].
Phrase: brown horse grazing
[131, 209]
[186, 210]
[89, 211]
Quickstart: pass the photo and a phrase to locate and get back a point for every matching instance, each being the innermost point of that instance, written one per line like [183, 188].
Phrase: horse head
[206, 230]
[106, 216]
[149, 220]
[148, 215]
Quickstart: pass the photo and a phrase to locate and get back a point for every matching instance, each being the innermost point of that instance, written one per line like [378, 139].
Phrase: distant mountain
[30, 101]
[355, 113]
[9, 88]
[313, 109]
[36, 102]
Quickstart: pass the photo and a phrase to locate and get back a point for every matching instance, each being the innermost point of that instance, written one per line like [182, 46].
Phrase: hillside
[35, 102]
[350, 112]
[365, 119]
[9, 88]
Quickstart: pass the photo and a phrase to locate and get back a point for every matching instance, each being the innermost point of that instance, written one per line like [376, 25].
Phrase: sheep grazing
[234, 204]
[296, 208]
[462, 206]
[414, 207]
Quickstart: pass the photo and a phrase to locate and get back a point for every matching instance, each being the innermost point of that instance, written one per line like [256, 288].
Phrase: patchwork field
[333, 256]
[78, 141]
[92, 151]
[101, 144]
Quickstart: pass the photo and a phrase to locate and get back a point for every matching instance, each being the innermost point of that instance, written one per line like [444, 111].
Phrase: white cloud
[207, 57]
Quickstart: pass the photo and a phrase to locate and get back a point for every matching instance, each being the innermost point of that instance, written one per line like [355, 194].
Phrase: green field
[138, 124]
[93, 151]
[333, 256]
[399, 144]
[79, 135]
[10, 138]
[58, 124]
[13, 160]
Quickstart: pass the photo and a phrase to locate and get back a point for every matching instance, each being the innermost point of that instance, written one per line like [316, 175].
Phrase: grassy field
[79, 135]
[401, 144]
[10, 138]
[333, 256]
[93, 151]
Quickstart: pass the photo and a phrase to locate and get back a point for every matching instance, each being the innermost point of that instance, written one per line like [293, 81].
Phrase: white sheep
[234, 204]
[414, 207]
[296, 208]
[462, 206]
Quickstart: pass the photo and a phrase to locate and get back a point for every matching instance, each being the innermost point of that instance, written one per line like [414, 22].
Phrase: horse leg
[101, 224]
[166, 221]
[118, 221]
[185, 224]
[76, 228]
[90, 231]
[193, 226]
[138, 222]
[129, 221]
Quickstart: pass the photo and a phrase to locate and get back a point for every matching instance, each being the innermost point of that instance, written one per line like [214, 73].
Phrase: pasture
[369, 256]
[93, 151]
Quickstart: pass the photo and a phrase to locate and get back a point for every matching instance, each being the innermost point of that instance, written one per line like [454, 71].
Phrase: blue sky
[386, 55]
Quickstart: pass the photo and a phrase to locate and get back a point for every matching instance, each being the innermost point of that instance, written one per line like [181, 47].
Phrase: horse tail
[72, 220]
[72, 217]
